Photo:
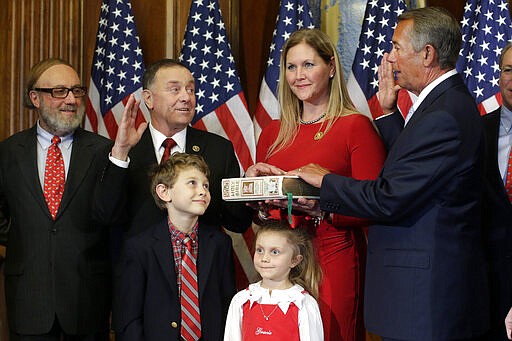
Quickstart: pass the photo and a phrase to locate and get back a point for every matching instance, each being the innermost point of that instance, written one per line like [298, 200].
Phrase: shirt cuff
[117, 162]
[382, 116]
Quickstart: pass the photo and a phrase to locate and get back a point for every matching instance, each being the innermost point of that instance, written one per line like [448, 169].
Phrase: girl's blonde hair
[306, 273]
[340, 103]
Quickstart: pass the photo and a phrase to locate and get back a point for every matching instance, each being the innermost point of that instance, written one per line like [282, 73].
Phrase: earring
[331, 76]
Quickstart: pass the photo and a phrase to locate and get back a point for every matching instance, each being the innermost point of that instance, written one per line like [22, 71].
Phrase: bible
[267, 187]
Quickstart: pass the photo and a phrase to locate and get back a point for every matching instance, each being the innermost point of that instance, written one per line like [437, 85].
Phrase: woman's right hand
[261, 168]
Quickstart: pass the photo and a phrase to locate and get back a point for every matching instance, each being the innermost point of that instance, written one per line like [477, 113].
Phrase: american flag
[379, 23]
[293, 15]
[486, 29]
[117, 69]
[221, 107]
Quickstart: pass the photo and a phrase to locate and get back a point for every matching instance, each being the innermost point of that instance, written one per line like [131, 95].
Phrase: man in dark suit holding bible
[426, 274]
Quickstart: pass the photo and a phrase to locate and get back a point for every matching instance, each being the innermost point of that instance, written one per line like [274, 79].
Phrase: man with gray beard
[54, 183]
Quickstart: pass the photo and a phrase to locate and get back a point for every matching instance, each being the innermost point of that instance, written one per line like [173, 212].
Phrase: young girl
[282, 305]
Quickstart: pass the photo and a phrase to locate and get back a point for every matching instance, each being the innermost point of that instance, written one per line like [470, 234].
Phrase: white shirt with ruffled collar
[310, 322]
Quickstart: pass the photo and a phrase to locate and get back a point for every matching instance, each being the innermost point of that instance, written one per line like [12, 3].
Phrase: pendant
[318, 136]
[266, 318]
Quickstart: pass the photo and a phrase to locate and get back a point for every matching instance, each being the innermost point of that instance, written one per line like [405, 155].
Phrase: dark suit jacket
[220, 157]
[147, 305]
[59, 267]
[497, 221]
[426, 277]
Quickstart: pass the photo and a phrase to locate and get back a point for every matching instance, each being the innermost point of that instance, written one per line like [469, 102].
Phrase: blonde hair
[306, 273]
[339, 104]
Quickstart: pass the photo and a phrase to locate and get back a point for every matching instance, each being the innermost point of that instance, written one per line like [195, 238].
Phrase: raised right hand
[128, 135]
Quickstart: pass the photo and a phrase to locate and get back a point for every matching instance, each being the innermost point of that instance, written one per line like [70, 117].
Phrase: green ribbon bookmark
[290, 198]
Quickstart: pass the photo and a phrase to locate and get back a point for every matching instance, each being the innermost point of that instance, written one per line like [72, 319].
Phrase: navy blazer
[147, 305]
[497, 222]
[58, 268]
[218, 153]
[426, 277]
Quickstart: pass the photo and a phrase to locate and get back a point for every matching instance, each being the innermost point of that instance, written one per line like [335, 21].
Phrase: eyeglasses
[61, 92]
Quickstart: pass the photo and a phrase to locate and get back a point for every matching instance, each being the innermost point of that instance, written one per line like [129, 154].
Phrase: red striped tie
[190, 319]
[54, 177]
[508, 182]
[167, 144]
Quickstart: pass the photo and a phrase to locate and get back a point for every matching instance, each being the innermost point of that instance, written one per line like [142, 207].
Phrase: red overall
[277, 327]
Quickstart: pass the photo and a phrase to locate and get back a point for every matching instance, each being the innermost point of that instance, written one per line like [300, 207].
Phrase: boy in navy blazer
[151, 278]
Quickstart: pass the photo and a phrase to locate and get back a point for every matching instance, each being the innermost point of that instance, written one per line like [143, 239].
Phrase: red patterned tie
[54, 177]
[508, 182]
[167, 144]
[190, 319]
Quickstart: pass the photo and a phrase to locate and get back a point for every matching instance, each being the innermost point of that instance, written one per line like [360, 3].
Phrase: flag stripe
[236, 135]
[242, 244]
[357, 96]
[267, 109]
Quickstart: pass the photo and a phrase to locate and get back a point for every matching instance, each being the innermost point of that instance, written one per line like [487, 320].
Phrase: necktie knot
[168, 144]
[55, 140]
[188, 242]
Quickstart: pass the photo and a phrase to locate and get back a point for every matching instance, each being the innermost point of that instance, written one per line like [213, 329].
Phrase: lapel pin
[196, 148]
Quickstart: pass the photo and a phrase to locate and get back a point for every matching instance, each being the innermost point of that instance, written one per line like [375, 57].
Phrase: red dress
[351, 148]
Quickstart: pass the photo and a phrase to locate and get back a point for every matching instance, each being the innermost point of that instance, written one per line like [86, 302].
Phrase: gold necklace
[266, 317]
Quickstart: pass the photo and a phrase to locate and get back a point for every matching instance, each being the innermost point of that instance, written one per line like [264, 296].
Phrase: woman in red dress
[319, 124]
